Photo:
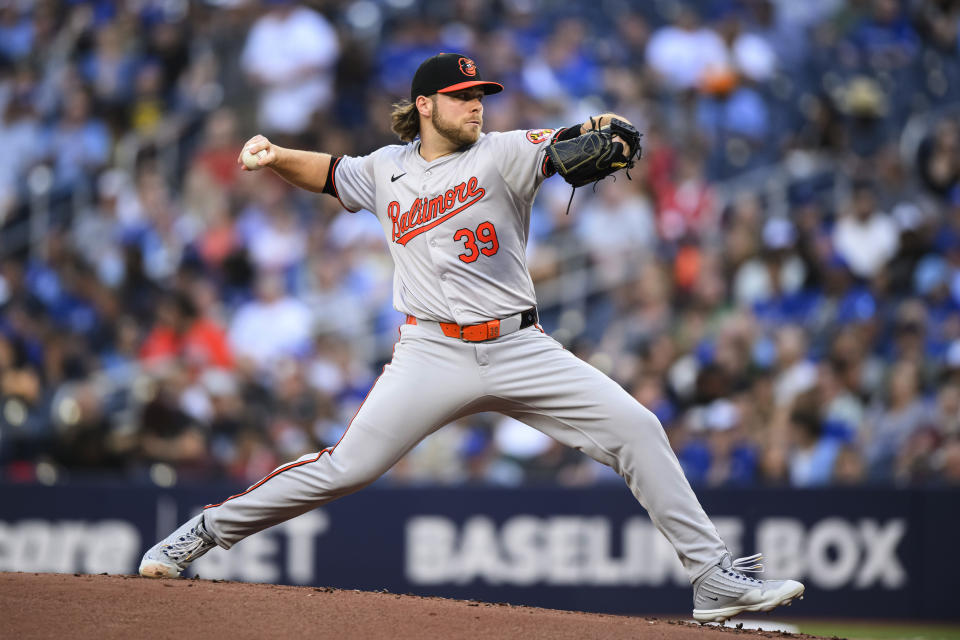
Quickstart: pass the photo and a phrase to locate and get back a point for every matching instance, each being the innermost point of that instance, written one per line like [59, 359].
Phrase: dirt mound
[83, 606]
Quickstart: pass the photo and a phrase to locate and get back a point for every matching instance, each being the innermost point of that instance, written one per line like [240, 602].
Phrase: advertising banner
[860, 552]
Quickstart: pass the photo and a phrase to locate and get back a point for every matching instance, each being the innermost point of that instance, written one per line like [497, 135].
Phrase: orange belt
[484, 331]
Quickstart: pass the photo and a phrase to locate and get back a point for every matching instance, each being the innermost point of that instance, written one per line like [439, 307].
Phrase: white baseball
[250, 160]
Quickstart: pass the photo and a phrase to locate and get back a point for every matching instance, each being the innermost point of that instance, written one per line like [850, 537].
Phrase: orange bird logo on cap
[468, 67]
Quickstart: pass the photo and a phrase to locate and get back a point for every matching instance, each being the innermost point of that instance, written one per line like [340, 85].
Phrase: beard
[460, 136]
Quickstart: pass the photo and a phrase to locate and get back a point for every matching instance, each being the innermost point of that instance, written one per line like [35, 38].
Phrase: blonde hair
[405, 120]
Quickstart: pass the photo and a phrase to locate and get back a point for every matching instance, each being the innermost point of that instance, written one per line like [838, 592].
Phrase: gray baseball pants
[433, 380]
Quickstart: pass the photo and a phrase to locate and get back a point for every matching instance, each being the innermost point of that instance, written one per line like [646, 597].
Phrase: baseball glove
[595, 155]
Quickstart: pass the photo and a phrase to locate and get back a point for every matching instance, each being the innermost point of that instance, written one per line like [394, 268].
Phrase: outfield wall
[862, 553]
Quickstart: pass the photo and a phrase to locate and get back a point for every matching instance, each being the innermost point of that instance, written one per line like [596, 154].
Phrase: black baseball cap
[448, 72]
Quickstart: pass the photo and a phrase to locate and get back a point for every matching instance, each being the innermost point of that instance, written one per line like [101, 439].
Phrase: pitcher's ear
[426, 104]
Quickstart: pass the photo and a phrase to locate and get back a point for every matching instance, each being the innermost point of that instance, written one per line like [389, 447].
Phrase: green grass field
[882, 631]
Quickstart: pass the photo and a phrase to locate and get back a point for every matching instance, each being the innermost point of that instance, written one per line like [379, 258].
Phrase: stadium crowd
[779, 280]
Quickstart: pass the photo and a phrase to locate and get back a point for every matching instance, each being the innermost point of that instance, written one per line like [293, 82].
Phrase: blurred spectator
[168, 434]
[685, 202]
[215, 161]
[946, 415]
[938, 25]
[98, 229]
[813, 454]
[753, 55]
[168, 41]
[327, 287]
[563, 68]
[681, 53]
[891, 424]
[938, 158]
[79, 142]
[614, 226]
[24, 401]
[840, 406]
[272, 326]
[289, 54]
[795, 375]
[733, 458]
[885, 39]
[950, 462]
[180, 333]
[148, 103]
[279, 245]
[161, 233]
[848, 467]
[778, 272]
[21, 129]
[865, 105]
[865, 237]
[16, 33]
[484, 464]
[111, 67]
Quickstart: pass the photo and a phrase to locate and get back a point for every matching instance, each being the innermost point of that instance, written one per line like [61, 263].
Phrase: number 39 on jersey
[483, 240]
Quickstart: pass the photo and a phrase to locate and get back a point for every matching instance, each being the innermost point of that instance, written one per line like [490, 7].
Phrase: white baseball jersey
[457, 226]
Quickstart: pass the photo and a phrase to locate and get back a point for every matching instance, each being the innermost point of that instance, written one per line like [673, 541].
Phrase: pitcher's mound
[81, 606]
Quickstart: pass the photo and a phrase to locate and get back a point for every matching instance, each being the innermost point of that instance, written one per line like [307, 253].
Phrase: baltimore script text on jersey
[422, 214]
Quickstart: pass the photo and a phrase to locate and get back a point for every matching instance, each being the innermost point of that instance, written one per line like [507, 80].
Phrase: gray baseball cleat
[725, 591]
[172, 555]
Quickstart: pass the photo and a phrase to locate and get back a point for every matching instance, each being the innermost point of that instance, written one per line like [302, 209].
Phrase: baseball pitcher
[455, 206]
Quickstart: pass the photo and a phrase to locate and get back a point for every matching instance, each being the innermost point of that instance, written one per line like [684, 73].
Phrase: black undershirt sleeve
[328, 186]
